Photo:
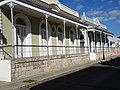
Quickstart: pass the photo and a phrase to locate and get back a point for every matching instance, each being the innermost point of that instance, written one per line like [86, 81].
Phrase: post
[47, 38]
[64, 40]
[11, 5]
[105, 43]
[94, 50]
[103, 52]
[77, 39]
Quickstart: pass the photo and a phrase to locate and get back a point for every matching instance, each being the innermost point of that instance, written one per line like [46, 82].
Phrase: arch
[72, 32]
[72, 40]
[60, 39]
[23, 17]
[91, 41]
[43, 38]
[22, 23]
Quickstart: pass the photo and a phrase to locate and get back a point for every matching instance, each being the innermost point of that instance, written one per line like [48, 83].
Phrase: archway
[60, 40]
[43, 38]
[72, 41]
[22, 35]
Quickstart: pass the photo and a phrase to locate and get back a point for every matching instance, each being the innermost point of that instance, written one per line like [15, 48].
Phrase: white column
[94, 48]
[101, 41]
[86, 41]
[76, 44]
[64, 40]
[11, 5]
[47, 38]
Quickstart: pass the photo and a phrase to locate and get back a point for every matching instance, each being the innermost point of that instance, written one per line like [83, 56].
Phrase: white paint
[93, 56]
[5, 70]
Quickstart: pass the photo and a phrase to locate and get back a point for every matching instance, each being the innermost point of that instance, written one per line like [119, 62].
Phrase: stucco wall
[7, 31]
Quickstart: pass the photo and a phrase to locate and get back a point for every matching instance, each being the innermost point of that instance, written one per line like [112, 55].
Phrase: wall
[23, 68]
[7, 34]
[5, 70]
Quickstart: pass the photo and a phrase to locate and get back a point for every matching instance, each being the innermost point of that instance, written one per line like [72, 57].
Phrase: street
[104, 76]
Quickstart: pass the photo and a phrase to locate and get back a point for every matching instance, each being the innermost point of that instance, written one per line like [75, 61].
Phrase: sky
[107, 11]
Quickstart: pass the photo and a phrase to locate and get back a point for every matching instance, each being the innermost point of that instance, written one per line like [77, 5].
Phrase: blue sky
[107, 11]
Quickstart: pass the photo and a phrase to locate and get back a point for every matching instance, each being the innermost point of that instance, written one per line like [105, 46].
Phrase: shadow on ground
[104, 76]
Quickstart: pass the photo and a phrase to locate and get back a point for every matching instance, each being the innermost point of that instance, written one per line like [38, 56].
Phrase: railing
[5, 51]
[43, 50]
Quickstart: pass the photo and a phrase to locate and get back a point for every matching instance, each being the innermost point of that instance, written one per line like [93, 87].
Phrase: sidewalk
[27, 83]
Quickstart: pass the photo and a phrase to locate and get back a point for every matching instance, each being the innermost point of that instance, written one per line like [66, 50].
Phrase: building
[37, 30]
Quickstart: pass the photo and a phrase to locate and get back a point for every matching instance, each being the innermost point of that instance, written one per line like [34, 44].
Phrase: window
[53, 29]
[19, 21]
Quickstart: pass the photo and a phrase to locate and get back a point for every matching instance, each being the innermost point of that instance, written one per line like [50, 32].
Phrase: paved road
[104, 76]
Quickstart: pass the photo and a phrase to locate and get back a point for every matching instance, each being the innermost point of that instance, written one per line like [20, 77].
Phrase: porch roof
[40, 8]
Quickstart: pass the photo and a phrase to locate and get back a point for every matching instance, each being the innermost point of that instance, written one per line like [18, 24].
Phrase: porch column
[94, 48]
[11, 5]
[64, 40]
[105, 45]
[47, 38]
[101, 40]
[76, 39]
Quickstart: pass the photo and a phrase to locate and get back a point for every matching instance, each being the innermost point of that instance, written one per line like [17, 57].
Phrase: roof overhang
[41, 11]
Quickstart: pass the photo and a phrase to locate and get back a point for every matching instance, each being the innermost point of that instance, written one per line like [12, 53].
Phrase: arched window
[60, 39]
[53, 29]
[43, 26]
[60, 36]
[20, 21]
[22, 35]
[43, 34]
[72, 40]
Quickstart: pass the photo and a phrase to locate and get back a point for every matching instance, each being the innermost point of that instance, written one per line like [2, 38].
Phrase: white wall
[5, 70]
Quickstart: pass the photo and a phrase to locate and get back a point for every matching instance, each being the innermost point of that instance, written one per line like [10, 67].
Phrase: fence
[43, 50]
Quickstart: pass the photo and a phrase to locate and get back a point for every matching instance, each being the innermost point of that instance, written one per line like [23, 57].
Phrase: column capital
[11, 4]
[46, 15]
[94, 31]
[77, 26]
[64, 21]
